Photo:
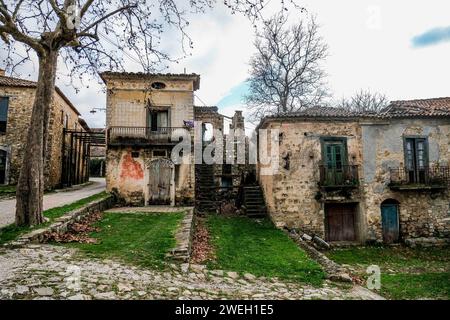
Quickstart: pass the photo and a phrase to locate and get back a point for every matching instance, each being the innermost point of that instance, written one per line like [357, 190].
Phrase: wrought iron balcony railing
[339, 177]
[146, 135]
[422, 177]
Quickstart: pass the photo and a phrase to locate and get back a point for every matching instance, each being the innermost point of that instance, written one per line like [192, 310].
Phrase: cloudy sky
[400, 48]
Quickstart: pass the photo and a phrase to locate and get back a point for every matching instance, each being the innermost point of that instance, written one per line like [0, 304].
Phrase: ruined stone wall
[421, 213]
[292, 193]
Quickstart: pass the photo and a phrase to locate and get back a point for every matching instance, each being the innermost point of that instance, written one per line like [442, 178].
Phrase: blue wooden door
[390, 224]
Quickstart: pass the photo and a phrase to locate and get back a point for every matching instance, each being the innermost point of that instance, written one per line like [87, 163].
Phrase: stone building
[348, 177]
[144, 113]
[16, 101]
[147, 116]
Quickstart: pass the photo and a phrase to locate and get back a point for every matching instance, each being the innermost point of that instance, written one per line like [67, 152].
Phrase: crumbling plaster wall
[422, 213]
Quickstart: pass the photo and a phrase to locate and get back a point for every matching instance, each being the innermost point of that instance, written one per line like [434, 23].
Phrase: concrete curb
[62, 223]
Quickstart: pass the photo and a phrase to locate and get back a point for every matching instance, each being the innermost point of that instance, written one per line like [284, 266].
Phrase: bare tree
[89, 35]
[285, 72]
[365, 101]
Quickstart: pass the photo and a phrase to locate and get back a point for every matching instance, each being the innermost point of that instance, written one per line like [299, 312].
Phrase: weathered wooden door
[2, 166]
[340, 222]
[159, 181]
[390, 224]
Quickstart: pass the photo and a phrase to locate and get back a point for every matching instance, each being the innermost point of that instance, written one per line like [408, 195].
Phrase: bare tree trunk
[30, 187]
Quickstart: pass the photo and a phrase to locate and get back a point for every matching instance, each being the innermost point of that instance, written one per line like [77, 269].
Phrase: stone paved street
[53, 272]
[54, 199]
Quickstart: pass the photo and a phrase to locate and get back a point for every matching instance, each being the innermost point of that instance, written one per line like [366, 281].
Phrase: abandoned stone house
[146, 116]
[65, 156]
[348, 177]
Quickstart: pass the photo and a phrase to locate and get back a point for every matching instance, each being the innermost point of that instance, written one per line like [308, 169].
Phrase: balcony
[143, 136]
[342, 177]
[427, 178]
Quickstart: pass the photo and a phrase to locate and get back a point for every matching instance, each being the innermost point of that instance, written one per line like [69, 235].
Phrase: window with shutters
[416, 159]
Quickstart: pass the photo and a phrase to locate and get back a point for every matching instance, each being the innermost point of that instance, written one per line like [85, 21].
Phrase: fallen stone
[249, 276]
[233, 275]
[44, 291]
[22, 289]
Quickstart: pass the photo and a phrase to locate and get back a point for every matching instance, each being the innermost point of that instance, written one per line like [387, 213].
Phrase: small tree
[365, 101]
[89, 35]
[285, 71]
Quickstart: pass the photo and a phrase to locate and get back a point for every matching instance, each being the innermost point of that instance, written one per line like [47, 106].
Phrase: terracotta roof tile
[16, 82]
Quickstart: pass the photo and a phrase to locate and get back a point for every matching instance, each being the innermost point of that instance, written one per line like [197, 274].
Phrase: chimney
[2, 72]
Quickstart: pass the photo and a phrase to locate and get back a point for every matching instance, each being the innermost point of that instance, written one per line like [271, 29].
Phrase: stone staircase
[205, 193]
[254, 202]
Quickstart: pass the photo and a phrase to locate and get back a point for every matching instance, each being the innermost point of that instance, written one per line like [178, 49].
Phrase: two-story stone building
[16, 102]
[147, 115]
[354, 178]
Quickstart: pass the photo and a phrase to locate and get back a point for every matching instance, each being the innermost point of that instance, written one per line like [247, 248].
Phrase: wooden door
[390, 223]
[340, 222]
[159, 181]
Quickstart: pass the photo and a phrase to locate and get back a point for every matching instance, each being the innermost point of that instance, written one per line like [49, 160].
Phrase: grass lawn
[406, 273]
[7, 190]
[137, 238]
[245, 245]
[11, 232]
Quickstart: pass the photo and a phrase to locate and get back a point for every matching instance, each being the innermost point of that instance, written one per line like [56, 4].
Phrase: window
[4, 103]
[159, 153]
[66, 122]
[158, 85]
[416, 159]
[334, 153]
[158, 120]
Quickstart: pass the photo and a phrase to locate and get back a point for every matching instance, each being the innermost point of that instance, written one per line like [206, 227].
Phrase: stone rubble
[53, 272]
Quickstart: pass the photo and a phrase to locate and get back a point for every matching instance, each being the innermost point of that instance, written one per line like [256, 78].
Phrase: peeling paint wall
[127, 102]
[422, 213]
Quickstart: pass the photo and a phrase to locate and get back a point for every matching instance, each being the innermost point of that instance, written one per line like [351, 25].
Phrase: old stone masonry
[52, 272]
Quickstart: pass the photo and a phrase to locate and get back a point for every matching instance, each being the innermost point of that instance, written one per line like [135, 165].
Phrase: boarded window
[4, 103]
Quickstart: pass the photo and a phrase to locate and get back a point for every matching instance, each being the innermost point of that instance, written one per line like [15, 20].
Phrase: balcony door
[158, 121]
[335, 159]
[416, 159]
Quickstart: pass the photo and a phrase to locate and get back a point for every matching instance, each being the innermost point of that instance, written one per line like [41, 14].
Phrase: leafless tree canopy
[89, 35]
[365, 101]
[285, 72]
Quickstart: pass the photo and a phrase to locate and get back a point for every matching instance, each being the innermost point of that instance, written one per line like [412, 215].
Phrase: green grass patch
[406, 273]
[416, 286]
[137, 238]
[245, 245]
[11, 231]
